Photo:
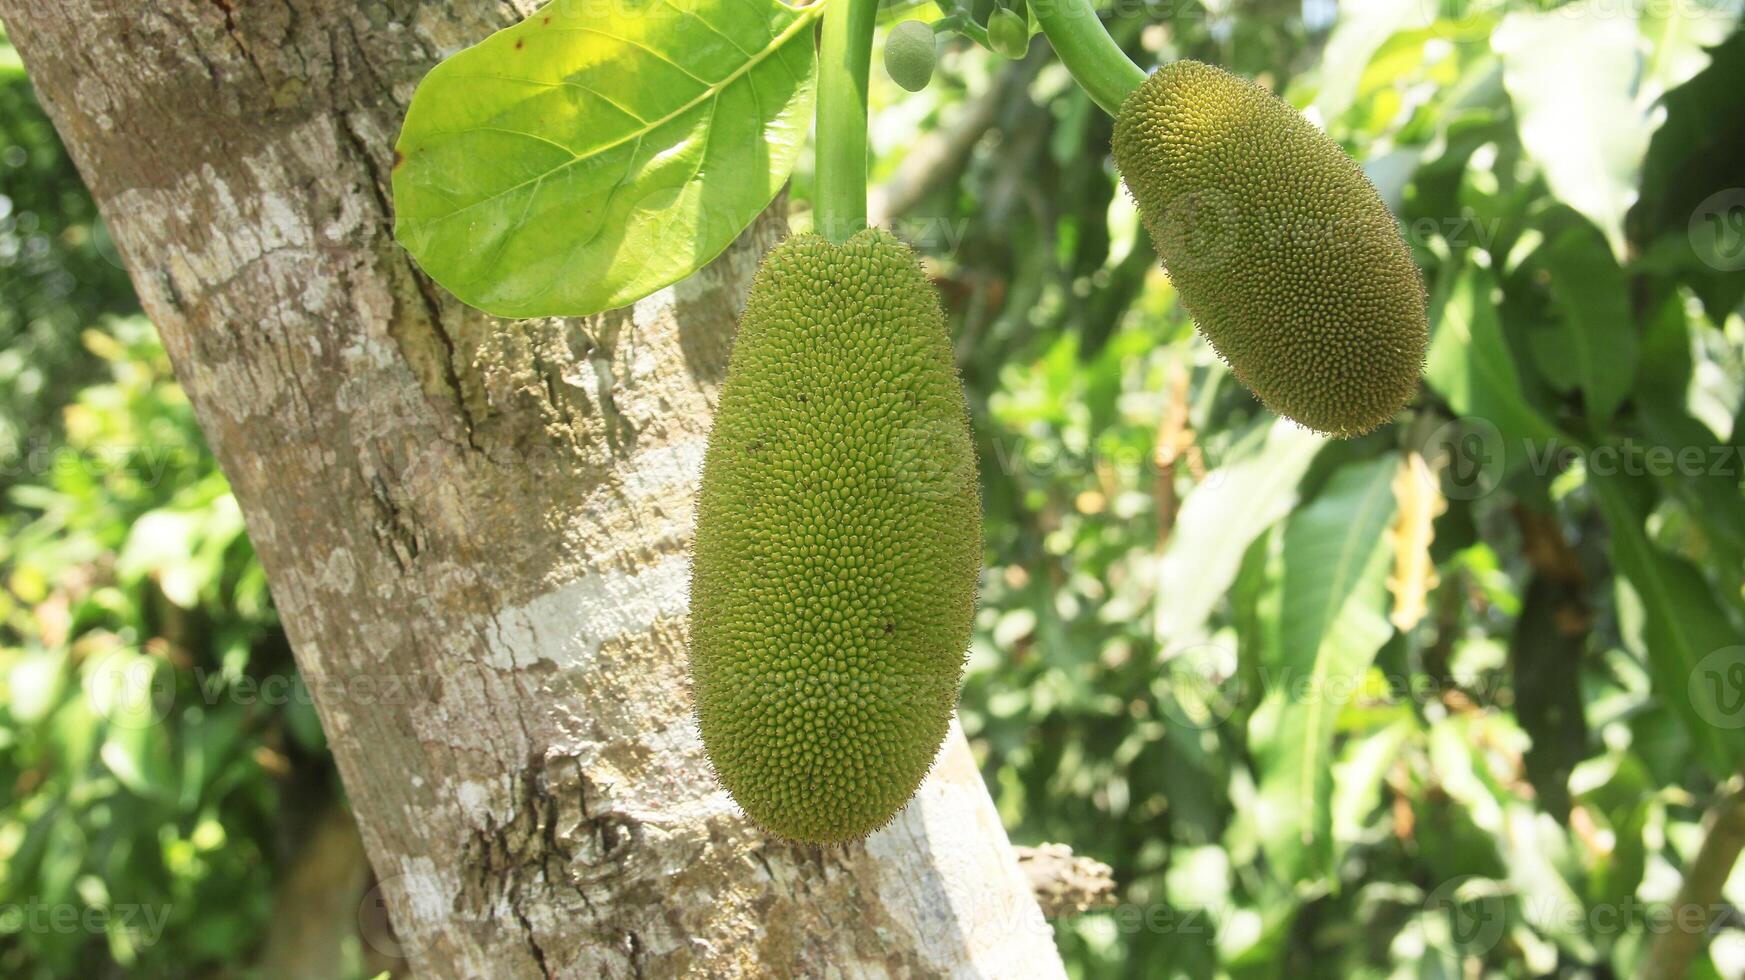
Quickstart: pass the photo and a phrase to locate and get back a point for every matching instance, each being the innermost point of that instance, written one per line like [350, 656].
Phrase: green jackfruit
[838, 542]
[910, 52]
[1278, 245]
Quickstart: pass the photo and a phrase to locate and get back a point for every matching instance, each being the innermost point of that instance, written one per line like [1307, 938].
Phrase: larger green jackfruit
[838, 542]
[1278, 245]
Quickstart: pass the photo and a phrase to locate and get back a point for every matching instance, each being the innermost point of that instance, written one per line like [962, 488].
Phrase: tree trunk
[476, 531]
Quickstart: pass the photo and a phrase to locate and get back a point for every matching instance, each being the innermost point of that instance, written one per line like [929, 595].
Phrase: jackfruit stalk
[838, 542]
[1279, 246]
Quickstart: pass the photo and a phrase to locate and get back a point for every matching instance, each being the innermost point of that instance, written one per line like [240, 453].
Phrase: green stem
[960, 24]
[1097, 63]
[844, 61]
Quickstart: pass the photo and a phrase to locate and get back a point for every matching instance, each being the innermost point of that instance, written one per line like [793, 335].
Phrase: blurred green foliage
[1445, 701]
[151, 787]
[59, 271]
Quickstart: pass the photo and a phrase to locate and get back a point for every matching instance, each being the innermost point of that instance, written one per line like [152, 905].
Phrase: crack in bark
[532, 942]
[636, 952]
[233, 31]
[394, 528]
[432, 303]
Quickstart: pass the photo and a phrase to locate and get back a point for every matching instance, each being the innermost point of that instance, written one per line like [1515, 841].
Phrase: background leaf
[1591, 346]
[1469, 363]
[1678, 36]
[1693, 649]
[1571, 74]
[1333, 619]
[571, 164]
[1229, 509]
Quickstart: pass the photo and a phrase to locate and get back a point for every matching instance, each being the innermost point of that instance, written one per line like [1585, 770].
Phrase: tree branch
[1670, 957]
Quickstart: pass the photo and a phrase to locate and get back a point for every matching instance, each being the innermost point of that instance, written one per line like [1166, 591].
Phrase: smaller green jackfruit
[1278, 245]
[1009, 34]
[910, 53]
[833, 577]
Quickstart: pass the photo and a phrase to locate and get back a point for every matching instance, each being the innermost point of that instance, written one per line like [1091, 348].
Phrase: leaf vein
[776, 45]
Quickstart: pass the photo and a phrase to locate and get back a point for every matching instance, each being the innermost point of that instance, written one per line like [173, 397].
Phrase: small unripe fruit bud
[910, 54]
[1009, 34]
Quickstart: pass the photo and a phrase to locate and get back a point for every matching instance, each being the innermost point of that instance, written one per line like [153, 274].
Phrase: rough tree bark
[476, 531]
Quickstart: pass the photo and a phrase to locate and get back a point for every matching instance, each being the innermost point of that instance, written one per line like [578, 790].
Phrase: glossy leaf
[1693, 651]
[1332, 621]
[1218, 520]
[572, 164]
[1592, 345]
[1571, 76]
[1470, 365]
[1679, 36]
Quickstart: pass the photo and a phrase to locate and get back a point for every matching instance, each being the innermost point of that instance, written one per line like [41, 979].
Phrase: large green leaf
[572, 164]
[1358, 778]
[1218, 520]
[1679, 36]
[1571, 74]
[1592, 345]
[1470, 365]
[1586, 80]
[1333, 619]
[1694, 653]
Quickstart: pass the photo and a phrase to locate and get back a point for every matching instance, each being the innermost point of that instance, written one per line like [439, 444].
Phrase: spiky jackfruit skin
[1279, 246]
[838, 542]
